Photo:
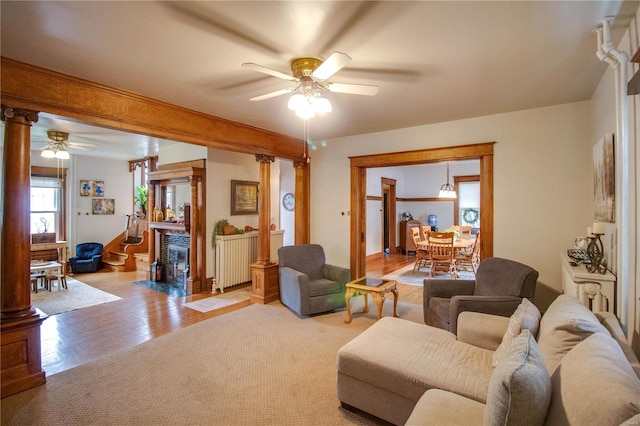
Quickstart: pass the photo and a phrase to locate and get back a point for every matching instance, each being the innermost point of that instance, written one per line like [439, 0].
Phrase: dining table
[49, 268]
[458, 243]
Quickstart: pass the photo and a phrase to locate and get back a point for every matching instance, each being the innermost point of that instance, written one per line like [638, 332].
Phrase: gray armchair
[498, 289]
[308, 285]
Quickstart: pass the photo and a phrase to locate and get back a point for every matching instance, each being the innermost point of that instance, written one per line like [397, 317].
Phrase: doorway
[360, 164]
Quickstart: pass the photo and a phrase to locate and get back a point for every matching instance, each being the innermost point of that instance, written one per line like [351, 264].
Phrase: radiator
[234, 254]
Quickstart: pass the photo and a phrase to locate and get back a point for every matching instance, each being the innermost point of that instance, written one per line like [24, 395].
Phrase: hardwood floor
[77, 337]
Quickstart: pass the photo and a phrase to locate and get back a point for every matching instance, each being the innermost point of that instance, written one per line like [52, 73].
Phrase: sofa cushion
[594, 384]
[566, 323]
[520, 389]
[438, 407]
[321, 287]
[526, 317]
[407, 358]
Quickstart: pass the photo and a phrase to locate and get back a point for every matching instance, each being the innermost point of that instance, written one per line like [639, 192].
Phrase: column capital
[262, 158]
[24, 116]
[300, 164]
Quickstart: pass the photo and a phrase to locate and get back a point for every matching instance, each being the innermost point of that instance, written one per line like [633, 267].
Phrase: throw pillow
[594, 384]
[520, 388]
[566, 323]
[526, 316]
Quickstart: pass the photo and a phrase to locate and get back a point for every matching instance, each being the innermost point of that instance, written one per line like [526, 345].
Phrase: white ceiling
[433, 61]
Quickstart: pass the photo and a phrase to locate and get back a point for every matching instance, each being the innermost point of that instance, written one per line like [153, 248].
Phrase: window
[469, 204]
[46, 201]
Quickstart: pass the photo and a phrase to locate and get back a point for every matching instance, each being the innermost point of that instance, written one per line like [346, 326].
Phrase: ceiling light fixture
[447, 190]
[55, 149]
[308, 101]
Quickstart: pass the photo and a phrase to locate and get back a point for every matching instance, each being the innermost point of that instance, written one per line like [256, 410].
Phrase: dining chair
[465, 232]
[441, 253]
[425, 231]
[469, 259]
[36, 278]
[422, 250]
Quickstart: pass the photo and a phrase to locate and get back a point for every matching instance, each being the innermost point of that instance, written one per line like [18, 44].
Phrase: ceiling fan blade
[334, 63]
[268, 71]
[354, 89]
[272, 94]
[82, 146]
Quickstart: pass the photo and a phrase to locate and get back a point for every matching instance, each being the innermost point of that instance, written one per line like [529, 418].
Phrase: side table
[374, 286]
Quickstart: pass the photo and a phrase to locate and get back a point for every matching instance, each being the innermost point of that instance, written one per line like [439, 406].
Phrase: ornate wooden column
[264, 272]
[20, 362]
[303, 210]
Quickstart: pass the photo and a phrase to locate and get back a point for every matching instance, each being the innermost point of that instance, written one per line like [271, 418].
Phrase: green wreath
[471, 215]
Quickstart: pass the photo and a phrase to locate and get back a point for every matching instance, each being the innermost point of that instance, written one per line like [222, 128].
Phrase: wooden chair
[422, 251]
[441, 253]
[465, 232]
[469, 259]
[425, 231]
[36, 279]
[50, 278]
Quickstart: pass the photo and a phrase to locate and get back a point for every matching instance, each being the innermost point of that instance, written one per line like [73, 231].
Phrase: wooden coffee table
[370, 286]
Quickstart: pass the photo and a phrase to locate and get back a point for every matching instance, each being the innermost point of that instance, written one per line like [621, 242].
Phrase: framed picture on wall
[103, 206]
[244, 197]
[604, 182]
[92, 188]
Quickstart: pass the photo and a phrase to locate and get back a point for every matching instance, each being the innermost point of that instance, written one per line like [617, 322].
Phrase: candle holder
[595, 251]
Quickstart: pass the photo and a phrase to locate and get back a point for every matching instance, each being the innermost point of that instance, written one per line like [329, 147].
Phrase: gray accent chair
[498, 289]
[308, 285]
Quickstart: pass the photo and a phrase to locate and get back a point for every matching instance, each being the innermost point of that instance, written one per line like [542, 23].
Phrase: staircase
[129, 251]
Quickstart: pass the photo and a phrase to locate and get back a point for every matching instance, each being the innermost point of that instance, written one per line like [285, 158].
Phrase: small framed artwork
[92, 188]
[103, 206]
[244, 197]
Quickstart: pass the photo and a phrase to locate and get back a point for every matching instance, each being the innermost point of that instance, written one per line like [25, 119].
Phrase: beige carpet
[260, 365]
[220, 300]
[79, 295]
[405, 275]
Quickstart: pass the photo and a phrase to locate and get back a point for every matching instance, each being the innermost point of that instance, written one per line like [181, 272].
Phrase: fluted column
[302, 213]
[21, 366]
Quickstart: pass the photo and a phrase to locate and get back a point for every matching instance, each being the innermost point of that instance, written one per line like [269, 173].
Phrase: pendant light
[447, 190]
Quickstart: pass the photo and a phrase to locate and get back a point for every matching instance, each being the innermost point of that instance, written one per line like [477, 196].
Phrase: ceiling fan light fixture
[62, 154]
[322, 105]
[296, 101]
[48, 153]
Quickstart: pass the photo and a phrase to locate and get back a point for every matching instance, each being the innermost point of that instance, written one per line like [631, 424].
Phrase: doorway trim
[360, 164]
[389, 210]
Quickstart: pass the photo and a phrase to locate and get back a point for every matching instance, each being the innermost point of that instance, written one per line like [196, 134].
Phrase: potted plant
[141, 198]
[406, 216]
[218, 229]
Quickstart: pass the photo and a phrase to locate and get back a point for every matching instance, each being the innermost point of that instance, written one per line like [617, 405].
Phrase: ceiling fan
[310, 76]
[57, 145]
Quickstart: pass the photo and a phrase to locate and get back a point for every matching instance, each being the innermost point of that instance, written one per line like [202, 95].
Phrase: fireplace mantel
[192, 173]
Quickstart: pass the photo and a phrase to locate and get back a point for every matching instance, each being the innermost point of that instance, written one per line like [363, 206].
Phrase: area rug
[78, 295]
[169, 289]
[259, 365]
[220, 301]
[406, 275]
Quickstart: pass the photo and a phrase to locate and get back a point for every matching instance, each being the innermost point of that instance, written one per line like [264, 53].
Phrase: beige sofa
[580, 369]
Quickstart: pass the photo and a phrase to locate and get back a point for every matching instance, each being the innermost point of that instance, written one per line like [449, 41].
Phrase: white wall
[287, 184]
[83, 225]
[542, 189]
[603, 119]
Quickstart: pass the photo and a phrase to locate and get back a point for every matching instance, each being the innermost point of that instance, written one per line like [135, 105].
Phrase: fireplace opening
[177, 266]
